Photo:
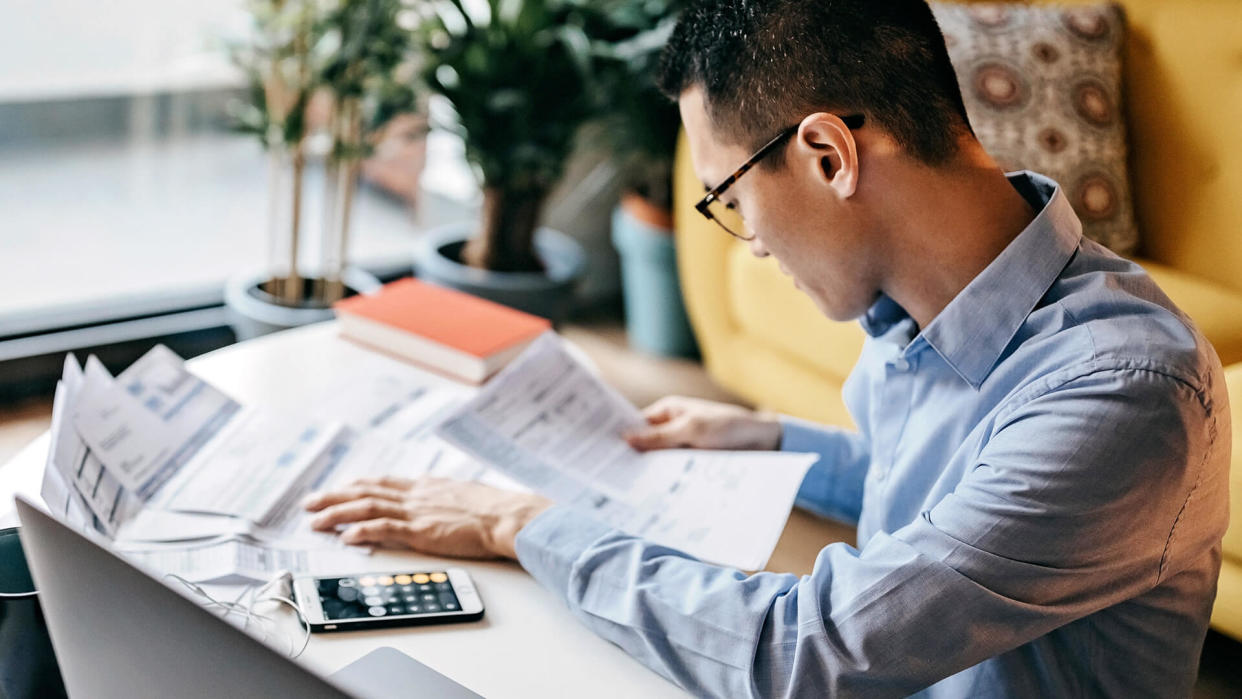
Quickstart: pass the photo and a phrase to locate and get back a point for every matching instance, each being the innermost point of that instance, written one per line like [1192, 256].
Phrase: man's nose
[757, 249]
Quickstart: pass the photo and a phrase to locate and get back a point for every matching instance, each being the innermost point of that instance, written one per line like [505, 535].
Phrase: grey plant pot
[548, 294]
[253, 312]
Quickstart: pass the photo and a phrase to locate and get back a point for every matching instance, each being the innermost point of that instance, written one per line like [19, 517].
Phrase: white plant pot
[253, 312]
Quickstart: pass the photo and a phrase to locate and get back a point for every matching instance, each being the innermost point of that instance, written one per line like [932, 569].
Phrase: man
[1040, 472]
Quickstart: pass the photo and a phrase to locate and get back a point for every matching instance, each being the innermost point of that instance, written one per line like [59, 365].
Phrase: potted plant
[323, 76]
[365, 85]
[517, 79]
[643, 125]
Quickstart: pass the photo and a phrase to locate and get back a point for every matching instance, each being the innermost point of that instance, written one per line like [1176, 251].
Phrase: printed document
[160, 461]
[75, 483]
[548, 422]
[159, 458]
[234, 560]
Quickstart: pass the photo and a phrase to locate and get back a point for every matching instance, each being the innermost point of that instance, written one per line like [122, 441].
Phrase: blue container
[655, 315]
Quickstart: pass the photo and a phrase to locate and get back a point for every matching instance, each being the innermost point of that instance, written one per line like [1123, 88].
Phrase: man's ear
[827, 145]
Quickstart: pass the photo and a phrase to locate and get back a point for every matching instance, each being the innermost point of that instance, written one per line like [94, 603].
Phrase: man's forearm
[691, 622]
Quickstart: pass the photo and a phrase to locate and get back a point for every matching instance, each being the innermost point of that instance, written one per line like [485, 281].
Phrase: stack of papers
[184, 479]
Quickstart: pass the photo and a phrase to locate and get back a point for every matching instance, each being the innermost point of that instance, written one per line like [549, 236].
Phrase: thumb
[660, 412]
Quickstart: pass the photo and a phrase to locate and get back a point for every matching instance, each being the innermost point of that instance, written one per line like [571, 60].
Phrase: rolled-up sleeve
[1071, 506]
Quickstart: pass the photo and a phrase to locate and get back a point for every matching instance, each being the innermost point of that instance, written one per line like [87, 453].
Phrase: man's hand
[679, 422]
[433, 515]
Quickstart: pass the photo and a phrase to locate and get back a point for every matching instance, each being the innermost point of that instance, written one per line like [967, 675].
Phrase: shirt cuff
[821, 486]
[548, 545]
[801, 435]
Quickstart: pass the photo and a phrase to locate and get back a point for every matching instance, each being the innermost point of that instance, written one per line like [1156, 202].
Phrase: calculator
[388, 599]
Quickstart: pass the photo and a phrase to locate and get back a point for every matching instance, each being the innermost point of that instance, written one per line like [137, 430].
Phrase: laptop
[118, 632]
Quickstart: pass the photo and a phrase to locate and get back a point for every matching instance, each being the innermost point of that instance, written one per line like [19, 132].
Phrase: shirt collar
[973, 330]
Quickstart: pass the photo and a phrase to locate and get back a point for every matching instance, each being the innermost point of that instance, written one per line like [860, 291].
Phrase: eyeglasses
[714, 208]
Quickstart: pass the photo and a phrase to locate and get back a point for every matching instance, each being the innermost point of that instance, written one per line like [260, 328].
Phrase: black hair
[765, 64]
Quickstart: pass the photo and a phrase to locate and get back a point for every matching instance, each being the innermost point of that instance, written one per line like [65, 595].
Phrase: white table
[527, 645]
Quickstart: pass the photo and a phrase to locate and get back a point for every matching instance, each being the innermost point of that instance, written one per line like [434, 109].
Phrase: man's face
[794, 212]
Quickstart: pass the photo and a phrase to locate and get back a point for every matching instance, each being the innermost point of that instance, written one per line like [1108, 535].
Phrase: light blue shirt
[1040, 482]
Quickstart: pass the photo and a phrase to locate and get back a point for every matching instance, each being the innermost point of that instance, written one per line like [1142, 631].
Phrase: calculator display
[380, 596]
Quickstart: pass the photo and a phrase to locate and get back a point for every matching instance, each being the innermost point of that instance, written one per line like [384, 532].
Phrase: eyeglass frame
[852, 121]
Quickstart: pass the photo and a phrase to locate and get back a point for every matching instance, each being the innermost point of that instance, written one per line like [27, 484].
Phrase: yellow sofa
[766, 342]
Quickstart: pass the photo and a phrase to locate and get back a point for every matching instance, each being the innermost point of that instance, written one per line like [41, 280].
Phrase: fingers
[384, 531]
[661, 426]
[383, 487]
[386, 482]
[318, 501]
[669, 435]
[441, 536]
[357, 510]
[433, 515]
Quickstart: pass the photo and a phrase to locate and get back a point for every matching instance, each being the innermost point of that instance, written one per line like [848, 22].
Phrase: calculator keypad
[375, 596]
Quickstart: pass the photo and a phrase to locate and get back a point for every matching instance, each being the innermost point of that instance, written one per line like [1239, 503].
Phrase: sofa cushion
[1215, 309]
[1042, 87]
[765, 376]
[767, 307]
[1227, 612]
[1233, 537]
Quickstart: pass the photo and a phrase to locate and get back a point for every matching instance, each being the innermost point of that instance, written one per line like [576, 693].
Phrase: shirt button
[901, 364]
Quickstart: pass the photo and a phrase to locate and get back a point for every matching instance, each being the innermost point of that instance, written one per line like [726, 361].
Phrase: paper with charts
[548, 422]
[186, 480]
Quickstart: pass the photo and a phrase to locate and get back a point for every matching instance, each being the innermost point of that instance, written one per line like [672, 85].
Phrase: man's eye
[731, 206]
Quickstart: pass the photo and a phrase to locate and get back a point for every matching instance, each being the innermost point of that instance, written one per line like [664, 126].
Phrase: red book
[451, 331]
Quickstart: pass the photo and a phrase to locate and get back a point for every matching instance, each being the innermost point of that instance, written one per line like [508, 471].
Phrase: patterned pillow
[1042, 87]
